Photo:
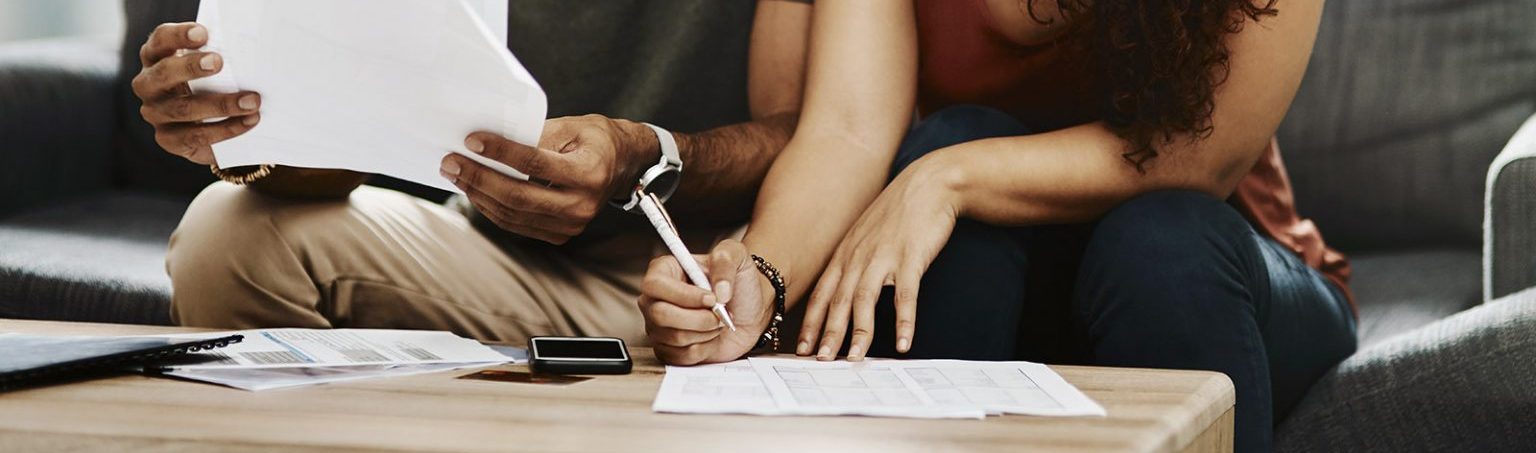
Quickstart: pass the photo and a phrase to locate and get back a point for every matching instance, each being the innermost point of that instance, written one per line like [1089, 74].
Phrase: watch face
[664, 184]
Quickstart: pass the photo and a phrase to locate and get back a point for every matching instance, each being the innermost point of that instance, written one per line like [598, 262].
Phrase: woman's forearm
[860, 94]
[1077, 174]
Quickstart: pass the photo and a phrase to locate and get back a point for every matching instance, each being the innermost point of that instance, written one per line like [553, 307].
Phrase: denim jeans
[1171, 279]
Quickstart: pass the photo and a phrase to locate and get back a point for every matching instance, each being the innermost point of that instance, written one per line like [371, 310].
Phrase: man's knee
[952, 126]
[216, 249]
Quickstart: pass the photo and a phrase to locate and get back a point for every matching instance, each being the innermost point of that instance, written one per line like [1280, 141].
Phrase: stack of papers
[882, 388]
[281, 358]
[386, 87]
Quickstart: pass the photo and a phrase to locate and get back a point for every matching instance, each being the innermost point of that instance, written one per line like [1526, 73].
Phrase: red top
[964, 60]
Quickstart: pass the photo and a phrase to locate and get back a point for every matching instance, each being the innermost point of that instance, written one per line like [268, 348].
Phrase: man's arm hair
[724, 167]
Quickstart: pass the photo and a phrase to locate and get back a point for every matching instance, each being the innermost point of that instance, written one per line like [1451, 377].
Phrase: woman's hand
[678, 319]
[892, 244]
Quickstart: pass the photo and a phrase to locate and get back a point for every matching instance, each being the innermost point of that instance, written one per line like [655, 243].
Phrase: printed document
[283, 358]
[375, 86]
[886, 388]
[280, 348]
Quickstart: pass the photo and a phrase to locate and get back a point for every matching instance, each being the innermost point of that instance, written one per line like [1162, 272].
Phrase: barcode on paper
[273, 357]
[420, 354]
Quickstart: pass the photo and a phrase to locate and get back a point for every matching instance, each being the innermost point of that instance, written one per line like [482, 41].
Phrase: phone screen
[584, 349]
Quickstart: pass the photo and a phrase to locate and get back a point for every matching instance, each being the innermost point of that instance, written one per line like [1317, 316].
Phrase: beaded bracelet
[241, 178]
[770, 337]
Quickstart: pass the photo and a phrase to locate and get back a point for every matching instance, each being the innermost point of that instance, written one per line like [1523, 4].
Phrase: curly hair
[1159, 62]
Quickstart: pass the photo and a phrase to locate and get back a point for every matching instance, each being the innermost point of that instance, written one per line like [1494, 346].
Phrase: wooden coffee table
[1149, 410]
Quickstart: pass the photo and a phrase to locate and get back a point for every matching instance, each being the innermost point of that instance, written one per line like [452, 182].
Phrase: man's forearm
[293, 182]
[724, 167]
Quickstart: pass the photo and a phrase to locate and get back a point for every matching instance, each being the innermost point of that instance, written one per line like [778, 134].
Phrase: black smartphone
[579, 355]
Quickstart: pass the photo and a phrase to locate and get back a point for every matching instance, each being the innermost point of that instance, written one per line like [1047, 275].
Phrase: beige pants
[382, 259]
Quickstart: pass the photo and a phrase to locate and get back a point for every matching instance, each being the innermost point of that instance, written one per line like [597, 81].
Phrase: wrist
[638, 149]
[941, 175]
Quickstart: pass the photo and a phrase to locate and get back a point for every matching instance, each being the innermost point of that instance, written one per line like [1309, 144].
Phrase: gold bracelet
[241, 178]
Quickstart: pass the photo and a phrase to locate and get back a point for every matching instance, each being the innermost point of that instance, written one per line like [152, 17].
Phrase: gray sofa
[1402, 145]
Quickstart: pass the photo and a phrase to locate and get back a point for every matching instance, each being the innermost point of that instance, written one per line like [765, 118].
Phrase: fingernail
[723, 290]
[902, 344]
[804, 348]
[709, 300]
[853, 353]
[197, 34]
[451, 168]
[824, 353]
[250, 120]
[474, 145]
[208, 61]
[250, 102]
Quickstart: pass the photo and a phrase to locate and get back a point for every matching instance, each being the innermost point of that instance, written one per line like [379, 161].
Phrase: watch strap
[671, 159]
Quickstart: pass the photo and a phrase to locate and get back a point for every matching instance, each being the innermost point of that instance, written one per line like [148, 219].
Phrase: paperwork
[376, 86]
[885, 388]
[281, 358]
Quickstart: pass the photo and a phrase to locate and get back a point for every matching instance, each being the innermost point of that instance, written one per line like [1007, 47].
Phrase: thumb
[725, 261]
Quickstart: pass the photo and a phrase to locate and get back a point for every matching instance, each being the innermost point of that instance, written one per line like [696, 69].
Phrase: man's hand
[581, 163]
[171, 60]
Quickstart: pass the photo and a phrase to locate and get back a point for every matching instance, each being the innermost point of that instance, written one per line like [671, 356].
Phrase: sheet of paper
[278, 348]
[260, 379]
[376, 86]
[722, 388]
[888, 388]
[808, 387]
[998, 387]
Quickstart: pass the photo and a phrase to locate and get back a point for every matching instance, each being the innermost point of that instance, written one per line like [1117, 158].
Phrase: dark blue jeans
[1172, 279]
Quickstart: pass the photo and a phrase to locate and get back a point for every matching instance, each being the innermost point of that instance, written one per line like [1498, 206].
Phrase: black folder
[32, 360]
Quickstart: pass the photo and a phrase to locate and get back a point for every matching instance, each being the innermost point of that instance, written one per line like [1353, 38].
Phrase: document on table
[279, 348]
[282, 358]
[889, 388]
[375, 86]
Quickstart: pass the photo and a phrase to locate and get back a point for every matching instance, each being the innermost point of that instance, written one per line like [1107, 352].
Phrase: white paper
[259, 379]
[808, 387]
[887, 388]
[280, 348]
[999, 387]
[722, 388]
[376, 86]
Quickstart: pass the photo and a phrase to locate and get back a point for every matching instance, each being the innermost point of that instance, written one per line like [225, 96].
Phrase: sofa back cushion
[1404, 106]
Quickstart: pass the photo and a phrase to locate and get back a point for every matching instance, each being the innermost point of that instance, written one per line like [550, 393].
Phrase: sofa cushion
[100, 258]
[1405, 104]
[1400, 291]
[1460, 384]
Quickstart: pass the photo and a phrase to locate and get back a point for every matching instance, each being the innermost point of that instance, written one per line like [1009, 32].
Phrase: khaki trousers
[382, 259]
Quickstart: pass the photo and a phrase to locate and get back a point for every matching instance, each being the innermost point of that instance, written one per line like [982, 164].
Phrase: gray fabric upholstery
[1509, 243]
[1404, 105]
[1401, 290]
[55, 129]
[1463, 383]
[97, 258]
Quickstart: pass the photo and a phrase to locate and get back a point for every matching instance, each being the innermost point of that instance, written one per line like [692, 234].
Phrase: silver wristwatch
[661, 179]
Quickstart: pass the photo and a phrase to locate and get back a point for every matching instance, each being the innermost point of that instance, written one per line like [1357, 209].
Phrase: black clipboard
[34, 360]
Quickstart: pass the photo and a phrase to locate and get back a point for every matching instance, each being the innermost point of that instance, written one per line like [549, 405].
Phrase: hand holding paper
[345, 85]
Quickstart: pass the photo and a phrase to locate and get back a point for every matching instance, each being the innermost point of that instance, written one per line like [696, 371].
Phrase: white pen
[669, 235]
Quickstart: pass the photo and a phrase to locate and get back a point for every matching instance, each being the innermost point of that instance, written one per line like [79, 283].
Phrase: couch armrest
[57, 120]
[1509, 217]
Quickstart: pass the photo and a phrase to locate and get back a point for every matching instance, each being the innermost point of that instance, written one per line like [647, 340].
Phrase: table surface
[1149, 410]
